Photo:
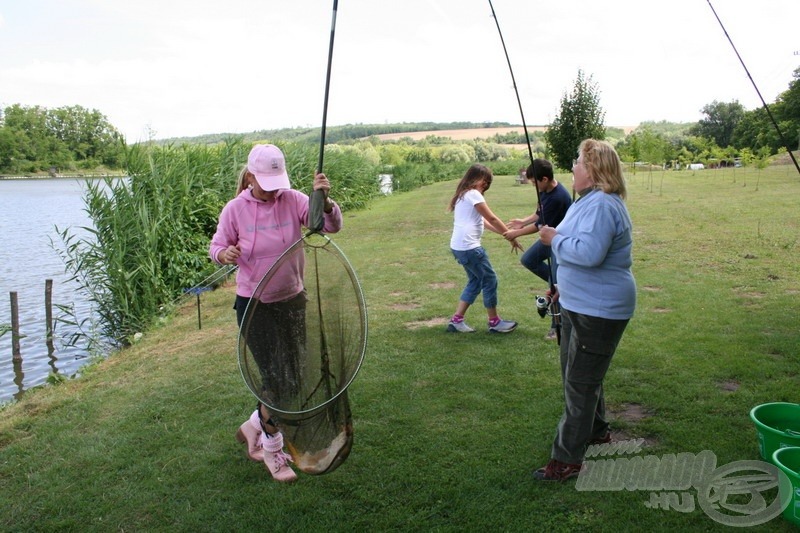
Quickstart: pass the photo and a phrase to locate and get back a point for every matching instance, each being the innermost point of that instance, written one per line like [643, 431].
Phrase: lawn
[447, 427]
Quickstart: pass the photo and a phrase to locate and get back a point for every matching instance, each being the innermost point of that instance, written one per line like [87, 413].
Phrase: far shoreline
[63, 176]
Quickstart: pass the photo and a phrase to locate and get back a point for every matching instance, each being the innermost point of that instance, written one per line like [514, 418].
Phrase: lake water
[29, 211]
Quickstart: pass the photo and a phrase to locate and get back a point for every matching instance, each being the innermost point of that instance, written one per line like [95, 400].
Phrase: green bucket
[777, 426]
[788, 460]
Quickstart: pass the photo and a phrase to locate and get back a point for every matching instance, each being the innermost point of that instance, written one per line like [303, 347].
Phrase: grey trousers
[587, 346]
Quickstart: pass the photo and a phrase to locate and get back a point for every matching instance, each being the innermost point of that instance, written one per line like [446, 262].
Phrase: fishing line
[541, 220]
[766, 107]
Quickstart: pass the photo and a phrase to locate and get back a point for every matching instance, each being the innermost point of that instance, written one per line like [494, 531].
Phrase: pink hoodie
[264, 230]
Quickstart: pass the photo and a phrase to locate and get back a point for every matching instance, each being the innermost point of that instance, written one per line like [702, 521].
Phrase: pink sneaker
[276, 460]
[250, 433]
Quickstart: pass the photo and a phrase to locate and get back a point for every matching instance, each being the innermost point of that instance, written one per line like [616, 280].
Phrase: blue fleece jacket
[593, 250]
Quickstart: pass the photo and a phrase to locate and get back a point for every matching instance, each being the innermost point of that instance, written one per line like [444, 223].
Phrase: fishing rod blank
[766, 107]
[555, 312]
[315, 216]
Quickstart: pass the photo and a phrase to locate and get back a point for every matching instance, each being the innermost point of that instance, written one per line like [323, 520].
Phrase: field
[470, 134]
[447, 427]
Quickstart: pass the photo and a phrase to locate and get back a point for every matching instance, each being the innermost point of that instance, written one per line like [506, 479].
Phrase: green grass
[447, 427]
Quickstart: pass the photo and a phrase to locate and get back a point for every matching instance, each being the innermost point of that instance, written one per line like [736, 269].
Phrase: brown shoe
[605, 439]
[557, 471]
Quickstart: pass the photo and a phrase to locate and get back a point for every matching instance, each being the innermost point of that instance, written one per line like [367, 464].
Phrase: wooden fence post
[48, 313]
[16, 354]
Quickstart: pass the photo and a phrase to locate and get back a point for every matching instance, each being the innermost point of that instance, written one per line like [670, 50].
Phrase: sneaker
[557, 471]
[459, 327]
[551, 335]
[504, 326]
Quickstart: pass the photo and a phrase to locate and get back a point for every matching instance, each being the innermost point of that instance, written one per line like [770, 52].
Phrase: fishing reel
[542, 305]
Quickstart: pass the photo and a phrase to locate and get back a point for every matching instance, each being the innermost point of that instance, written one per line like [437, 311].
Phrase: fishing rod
[554, 306]
[327, 89]
[766, 107]
[316, 218]
[514, 83]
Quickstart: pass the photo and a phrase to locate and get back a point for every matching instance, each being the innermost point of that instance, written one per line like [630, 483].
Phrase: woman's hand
[229, 255]
[552, 295]
[546, 234]
[321, 183]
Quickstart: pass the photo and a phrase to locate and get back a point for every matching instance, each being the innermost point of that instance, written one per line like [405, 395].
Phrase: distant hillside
[337, 134]
[462, 134]
[386, 132]
[468, 134]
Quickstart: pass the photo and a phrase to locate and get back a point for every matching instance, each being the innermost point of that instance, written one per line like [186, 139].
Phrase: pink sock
[494, 321]
[458, 318]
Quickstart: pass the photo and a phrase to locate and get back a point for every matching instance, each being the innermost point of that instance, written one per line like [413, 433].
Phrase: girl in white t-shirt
[470, 215]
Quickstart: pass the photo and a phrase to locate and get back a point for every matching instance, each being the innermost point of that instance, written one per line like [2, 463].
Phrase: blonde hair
[603, 165]
[245, 180]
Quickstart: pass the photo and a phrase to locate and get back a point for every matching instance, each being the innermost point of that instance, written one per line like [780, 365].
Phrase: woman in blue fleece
[597, 294]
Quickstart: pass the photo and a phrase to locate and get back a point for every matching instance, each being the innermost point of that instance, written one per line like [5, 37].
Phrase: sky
[174, 68]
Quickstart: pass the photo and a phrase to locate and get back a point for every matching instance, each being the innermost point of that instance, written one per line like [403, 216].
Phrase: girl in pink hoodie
[254, 229]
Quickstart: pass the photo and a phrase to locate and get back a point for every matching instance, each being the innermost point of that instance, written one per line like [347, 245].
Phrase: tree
[87, 134]
[580, 117]
[755, 131]
[36, 138]
[720, 122]
[787, 111]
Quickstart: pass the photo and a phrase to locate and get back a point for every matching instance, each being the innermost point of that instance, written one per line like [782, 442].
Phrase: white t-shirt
[467, 222]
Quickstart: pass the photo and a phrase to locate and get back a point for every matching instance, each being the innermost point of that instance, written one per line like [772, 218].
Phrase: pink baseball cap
[267, 164]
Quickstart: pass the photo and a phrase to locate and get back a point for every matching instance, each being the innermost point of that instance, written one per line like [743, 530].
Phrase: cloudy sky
[167, 68]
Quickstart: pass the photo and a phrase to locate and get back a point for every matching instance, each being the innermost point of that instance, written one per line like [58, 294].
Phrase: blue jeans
[481, 277]
[534, 259]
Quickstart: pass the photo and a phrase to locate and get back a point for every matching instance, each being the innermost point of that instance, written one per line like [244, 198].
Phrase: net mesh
[300, 347]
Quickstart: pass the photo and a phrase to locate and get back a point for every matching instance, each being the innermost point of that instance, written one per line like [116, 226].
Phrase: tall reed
[151, 230]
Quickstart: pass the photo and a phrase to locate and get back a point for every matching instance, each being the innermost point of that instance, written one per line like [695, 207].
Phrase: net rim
[241, 344]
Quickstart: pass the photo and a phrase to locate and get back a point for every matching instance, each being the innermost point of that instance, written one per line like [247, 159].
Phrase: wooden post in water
[48, 313]
[16, 354]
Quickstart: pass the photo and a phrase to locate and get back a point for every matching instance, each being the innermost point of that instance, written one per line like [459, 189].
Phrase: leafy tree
[756, 131]
[457, 153]
[36, 138]
[787, 112]
[720, 122]
[580, 117]
[8, 148]
[87, 134]
[487, 152]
